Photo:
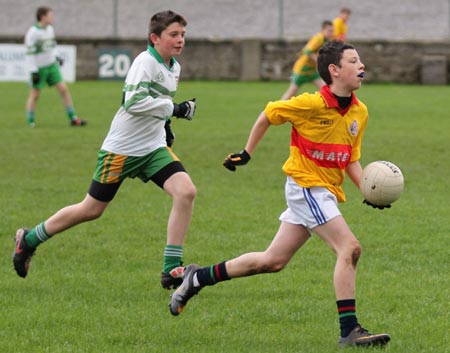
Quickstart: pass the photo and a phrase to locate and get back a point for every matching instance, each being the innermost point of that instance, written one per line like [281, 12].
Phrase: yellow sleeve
[340, 28]
[314, 44]
[294, 109]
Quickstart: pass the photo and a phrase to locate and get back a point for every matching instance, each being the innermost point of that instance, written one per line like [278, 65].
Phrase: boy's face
[328, 32]
[347, 74]
[47, 19]
[345, 16]
[171, 41]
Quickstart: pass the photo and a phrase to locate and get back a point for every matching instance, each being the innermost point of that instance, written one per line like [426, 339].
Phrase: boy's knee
[188, 193]
[356, 253]
[35, 95]
[62, 88]
[276, 267]
[92, 213]
[272, 266]
[192, 192]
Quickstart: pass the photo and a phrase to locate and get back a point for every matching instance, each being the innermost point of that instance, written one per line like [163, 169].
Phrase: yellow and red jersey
[311, 47]
[324, 139]
[340, 29]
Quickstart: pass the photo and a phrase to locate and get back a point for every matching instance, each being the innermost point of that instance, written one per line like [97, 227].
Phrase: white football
[381, 183]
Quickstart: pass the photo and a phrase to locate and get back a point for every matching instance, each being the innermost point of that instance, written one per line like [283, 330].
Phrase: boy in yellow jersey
[305, 68]
[136, 146]
[327, 129]
[340, 24]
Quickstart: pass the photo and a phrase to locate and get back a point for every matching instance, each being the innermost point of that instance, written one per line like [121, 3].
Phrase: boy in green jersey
[43, 64]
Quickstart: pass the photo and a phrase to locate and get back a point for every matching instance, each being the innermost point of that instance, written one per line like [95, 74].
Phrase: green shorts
[112, 169]
[48, 75]
[305, 76]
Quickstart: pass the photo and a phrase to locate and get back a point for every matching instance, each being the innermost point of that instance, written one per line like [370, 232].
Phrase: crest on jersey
[354, 128]
[159, 77]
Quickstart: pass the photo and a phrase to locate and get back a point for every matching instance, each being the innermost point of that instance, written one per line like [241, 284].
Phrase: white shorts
[309, 207]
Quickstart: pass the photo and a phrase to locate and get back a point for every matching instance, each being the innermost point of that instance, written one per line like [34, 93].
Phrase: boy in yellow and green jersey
[305, 67]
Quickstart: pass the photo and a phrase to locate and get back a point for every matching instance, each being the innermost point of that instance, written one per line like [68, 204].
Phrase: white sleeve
[55, 51]
[137, 100]
[30, 48]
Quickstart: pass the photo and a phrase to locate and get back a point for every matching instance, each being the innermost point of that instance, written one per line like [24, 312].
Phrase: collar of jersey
[332, 102]
[158, 57]
[39, 27]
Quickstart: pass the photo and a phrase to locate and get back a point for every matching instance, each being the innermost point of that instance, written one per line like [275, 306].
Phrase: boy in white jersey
[136, 146]
[43, 62]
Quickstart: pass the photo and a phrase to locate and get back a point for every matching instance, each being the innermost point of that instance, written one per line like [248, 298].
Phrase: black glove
[170, 136]
[235, 159]
[376, 206]
[35, 78]
[185, 109]
[60, 60]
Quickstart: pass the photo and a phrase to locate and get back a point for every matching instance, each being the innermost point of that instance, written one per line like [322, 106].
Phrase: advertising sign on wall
[13, 62]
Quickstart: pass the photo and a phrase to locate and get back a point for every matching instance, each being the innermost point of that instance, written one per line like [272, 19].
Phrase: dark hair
[330, 53]
[42, 11]
[161, 20]
[326, 23]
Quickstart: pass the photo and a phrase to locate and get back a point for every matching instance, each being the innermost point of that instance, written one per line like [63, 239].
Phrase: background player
[43, 60]
[305, 67]
[327, 129]
[136, 147]
[340, 24]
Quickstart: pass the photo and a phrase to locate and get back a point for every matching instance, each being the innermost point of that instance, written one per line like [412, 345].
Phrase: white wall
[288, 19]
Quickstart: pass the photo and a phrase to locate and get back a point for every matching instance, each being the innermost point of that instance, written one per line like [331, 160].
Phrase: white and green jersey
[40, 43]
[138, 126]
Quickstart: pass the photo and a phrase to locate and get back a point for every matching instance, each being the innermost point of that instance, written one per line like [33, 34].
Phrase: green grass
[95, 288]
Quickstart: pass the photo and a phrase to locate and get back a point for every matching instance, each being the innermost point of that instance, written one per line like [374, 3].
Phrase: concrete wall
[402, 62]
[406, 42]
[236, 19]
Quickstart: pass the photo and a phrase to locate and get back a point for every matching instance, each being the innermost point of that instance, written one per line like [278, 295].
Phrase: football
[382, 183]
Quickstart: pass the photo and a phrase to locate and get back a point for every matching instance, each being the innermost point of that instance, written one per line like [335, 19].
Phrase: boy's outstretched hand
[235, 159]
[376, 206]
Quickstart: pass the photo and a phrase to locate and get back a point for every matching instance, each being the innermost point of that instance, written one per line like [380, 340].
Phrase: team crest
[354, 128]
[159, 77]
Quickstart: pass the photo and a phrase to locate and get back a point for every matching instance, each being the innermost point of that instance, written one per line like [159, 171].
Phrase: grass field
[95, 288]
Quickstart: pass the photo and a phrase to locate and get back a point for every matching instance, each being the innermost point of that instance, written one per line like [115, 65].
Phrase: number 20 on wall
[113, 63]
